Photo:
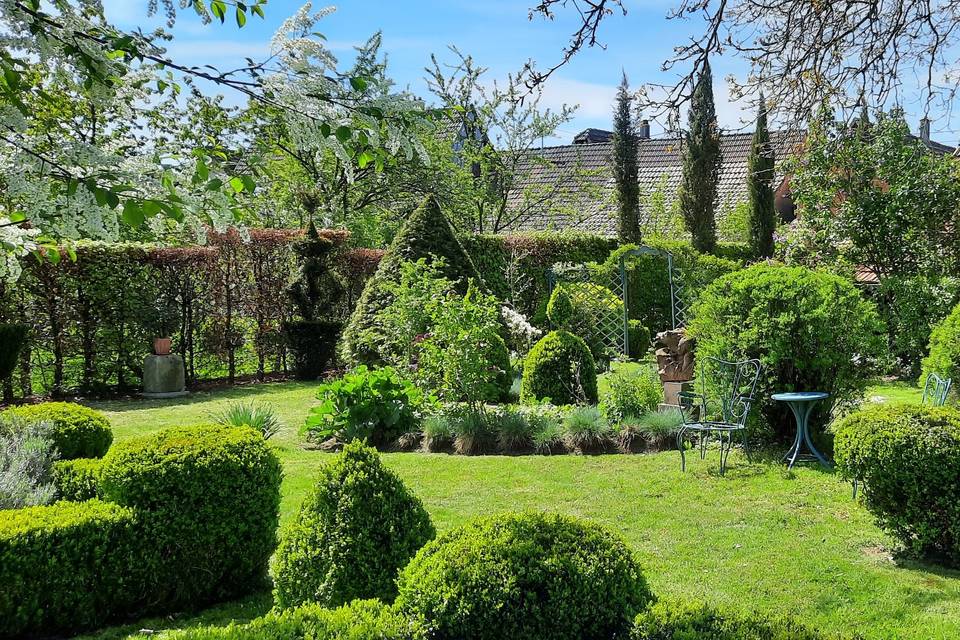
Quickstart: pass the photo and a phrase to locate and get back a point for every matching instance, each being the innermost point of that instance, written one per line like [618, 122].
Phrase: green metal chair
[721, 407]
[935, 390]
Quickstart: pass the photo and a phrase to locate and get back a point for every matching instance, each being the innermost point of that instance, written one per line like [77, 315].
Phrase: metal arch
[675, 311]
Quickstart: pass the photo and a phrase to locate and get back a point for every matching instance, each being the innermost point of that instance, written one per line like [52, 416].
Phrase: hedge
[77, 480]
[559, 367]
[67, 566]
[944, 349]
[78, 431]
[688, 620]
[908, 459]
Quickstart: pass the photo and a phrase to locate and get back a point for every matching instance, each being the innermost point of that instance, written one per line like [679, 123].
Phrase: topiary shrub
[944, 356]
[560, 308]
[537, 576]
[559, 367]
[908, 458]
[66, 566]
[426, 234]
[77, 431]
[359, 620]
[355, 532]
[639, 338]
[77, 480]
[687, 621]
[812, 331]
[207, 501]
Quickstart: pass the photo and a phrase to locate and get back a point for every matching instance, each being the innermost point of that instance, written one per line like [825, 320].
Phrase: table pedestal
[801, 411]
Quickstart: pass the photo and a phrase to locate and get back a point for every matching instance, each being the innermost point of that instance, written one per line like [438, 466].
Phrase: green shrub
[595, 313]
[688, 621]
[66, 566]
[27, 456]
[427, 234]
[78, 480]
[908, 458]
[437, 432]
[260, 417]
[359, 620]
[585, 430]
[12, 339]
[810, 330]
[524, 576]
[656, 430]
[472, 429]
[559, 367]
[514, 429]
[631, 395]
[78, 431]
[560, 308]
[357, 529]
[376, 405]
[639, 338]
[207, 501]
[313, 346]
[911, 307]
[944, 352]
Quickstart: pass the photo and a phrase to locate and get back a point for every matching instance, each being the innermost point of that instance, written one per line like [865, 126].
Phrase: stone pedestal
[164, 376]
[671, 392]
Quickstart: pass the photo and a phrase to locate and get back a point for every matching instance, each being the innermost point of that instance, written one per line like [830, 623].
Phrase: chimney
[643, 132]
[925, 130]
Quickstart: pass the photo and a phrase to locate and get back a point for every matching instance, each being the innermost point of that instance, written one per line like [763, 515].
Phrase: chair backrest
[935, 390]
[729, 386]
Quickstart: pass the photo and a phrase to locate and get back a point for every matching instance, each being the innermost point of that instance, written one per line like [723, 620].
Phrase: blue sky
[496, 32]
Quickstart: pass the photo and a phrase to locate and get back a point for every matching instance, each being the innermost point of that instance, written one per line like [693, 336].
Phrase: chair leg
[746, 446]
[704, 441]
[854, 488]
[725, 451]
[683, 458]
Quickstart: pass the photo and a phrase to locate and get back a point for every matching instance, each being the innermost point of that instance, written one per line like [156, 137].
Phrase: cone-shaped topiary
[426, 234]
[355, 532]
[559, 367]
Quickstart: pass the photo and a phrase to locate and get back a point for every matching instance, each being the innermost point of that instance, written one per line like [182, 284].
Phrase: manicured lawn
[759, 538]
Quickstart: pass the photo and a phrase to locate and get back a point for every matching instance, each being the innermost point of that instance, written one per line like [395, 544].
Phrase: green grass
[759, 538]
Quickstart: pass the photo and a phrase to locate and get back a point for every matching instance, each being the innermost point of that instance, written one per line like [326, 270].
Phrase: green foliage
[426, 234]
[560, 307]
[596, 313]
[626, 165]
[261, 417]
[317, 287]
[376, 405]
[657, 430]
[733, 225]
[359, 620]
[586, 430]
[66, 566]
[207, 501]
[760, 174]
[811, 331]
[472, 428]
[77, 480]
[911, 306]
[515, 431]
[639, 338]
[559, 367]
[12, 339]
[77, 431]
[944, 356]
[688, 620]
[556, 577]
[701, 164]
[908, 459]
[27, 456]
[357, 529]
[631, 395]
[313, 345]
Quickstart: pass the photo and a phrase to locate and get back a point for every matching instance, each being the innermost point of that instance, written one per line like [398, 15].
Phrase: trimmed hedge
[687, 621]
[359, 620]
[537, 576]
[78, 431]
[67, 566]
[207, 500]
[559, 367]
[944, 356]
[908, 457]
[78, 480]
[355, 532]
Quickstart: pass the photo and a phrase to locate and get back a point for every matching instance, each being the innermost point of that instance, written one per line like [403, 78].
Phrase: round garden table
[802, 403]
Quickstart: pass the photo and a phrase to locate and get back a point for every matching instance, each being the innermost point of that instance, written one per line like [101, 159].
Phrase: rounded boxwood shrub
[66, 566]
[812, 331]
[355, 532]
[944, 356]
[559, 367]
[78, 431]
[524, 576]
[639, 339]
[908, 458]
[686, 621]
[77, 480]
[207, 500]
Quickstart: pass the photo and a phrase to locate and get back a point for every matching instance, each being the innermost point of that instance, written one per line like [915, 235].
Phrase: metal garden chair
[935, 390]
[721, 407]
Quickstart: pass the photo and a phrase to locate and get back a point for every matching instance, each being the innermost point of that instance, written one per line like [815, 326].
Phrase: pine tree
[701, 165]
[625, 169]
[760, 163]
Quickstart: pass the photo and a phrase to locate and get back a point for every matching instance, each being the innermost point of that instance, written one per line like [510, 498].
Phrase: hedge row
[188, 517]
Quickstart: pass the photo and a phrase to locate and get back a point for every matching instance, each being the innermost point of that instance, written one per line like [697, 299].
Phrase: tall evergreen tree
[625, 168]
[701, 165]
[760, 163]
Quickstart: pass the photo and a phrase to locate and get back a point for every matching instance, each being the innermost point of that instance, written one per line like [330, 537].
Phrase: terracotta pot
[161, 346]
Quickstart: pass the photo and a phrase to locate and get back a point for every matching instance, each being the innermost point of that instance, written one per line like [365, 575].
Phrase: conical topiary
[426, 234]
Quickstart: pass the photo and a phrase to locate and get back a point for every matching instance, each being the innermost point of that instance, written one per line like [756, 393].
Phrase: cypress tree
[701, 165]
[625, 169]
[760, 163]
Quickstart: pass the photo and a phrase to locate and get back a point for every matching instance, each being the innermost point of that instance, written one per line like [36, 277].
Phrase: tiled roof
[593, 208]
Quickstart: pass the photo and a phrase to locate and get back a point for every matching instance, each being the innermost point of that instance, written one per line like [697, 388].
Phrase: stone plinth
[164, 376]
[671, 392]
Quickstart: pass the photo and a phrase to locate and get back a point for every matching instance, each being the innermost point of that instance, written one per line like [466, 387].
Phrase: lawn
[760, 537]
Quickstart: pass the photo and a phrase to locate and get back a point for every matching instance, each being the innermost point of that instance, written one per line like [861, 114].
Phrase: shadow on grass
[259, 391]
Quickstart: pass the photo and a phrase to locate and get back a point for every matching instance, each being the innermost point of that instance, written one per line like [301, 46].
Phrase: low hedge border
[79, 479]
